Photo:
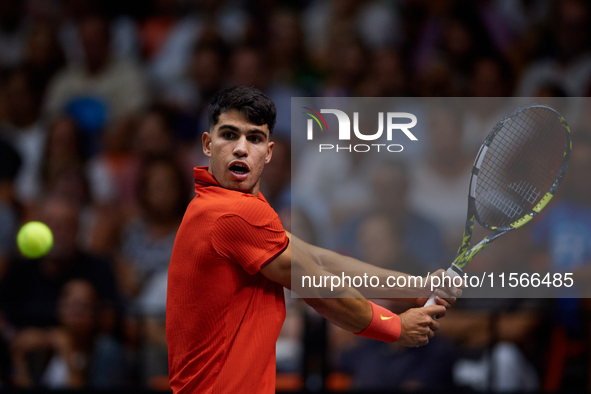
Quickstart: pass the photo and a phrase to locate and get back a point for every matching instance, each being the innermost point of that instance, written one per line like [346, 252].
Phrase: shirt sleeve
[251, 245]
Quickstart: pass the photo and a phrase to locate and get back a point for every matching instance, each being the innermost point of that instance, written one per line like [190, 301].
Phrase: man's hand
[418, 325]
[447, 295]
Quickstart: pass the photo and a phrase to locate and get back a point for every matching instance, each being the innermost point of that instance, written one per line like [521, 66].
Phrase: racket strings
[520, 166]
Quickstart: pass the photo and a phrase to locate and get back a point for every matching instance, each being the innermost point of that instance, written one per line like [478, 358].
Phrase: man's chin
[242, 187]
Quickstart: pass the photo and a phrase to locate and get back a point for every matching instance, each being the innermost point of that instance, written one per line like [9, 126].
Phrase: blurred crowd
[102, 107]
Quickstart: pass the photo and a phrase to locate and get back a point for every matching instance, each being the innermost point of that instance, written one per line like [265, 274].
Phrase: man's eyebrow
[227, 126]
[250, 131]
[257, 131]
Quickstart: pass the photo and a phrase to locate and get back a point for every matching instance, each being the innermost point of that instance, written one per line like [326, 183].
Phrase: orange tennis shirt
[223, 316]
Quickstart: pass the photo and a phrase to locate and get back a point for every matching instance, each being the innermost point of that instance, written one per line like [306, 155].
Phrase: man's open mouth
[239, 169]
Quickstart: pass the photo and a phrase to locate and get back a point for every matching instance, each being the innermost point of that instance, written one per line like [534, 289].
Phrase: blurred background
[102, 107]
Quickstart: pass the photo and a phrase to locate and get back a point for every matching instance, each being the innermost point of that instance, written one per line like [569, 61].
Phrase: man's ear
[206, 140]
[269, 152]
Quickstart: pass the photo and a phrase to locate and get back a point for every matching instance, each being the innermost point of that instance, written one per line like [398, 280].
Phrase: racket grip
[431, 300]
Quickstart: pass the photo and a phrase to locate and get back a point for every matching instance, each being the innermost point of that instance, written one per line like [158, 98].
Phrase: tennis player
[232, 258]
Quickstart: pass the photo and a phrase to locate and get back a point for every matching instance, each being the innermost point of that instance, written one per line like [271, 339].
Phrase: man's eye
[255, 138]
[228, 136]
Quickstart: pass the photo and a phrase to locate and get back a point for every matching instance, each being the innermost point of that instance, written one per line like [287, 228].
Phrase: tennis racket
[516, 173]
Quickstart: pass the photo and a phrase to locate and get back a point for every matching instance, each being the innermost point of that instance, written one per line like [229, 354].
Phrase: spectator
[81, 356]
[346, 66]
[147, 239]
[375, 22]
[335, 184]
[563, 235]
[102, 88]
[169, 63]
[44, 56]
[24, 130]
[441, 180]
[422, 239]
[437, 79]
[191, 95]
[250, 67]
[490, 83]
[287, 58]
[166, 39]
[455, 34]
[67, 170]
[387, 76]
[381, 244]
[524, 16]
[152, 138]
[146, 247]
[122, 29]
[565, 59]
[66, 148]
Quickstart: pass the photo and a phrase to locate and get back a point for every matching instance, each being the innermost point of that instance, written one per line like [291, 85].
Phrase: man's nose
[240, 149]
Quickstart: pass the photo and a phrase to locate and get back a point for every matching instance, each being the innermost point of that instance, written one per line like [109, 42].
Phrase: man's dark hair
[258, 108]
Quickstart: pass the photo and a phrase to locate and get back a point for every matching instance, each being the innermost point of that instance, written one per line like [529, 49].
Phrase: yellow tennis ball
[34, 240]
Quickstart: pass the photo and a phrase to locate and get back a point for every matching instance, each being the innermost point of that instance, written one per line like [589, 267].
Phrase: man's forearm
[344, 306]
[351, 314]
[337, 264]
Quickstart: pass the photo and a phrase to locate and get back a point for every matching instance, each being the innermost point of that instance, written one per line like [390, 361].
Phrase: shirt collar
[204, 178]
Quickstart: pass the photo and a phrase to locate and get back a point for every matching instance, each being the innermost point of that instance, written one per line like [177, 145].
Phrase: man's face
[238, 151]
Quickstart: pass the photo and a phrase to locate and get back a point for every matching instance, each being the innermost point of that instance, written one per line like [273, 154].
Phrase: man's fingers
[419, 325]
[456, 292]
[434, 325]
[452, 290]
[434, 310]
[449, 283]
[446, 302]
[442, 298]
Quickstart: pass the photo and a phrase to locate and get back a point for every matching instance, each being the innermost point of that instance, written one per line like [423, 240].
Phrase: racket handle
[431, 300]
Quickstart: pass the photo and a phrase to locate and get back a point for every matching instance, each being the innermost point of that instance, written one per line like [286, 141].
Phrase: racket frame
[465, 252]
